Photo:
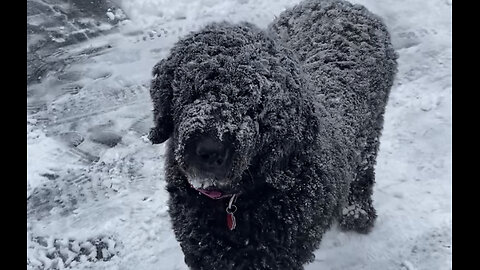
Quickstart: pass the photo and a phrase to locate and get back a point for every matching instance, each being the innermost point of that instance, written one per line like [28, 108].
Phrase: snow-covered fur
[302, 106]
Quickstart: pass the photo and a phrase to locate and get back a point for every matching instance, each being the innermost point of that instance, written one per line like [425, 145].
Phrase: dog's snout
[211, 152]
[210, 156]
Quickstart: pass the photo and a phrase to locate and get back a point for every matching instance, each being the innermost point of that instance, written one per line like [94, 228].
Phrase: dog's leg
[359, 214]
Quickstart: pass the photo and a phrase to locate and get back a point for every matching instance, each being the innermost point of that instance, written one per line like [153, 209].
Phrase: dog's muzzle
[206, 157]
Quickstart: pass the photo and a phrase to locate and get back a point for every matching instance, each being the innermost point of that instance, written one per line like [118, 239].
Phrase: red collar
[231, 208]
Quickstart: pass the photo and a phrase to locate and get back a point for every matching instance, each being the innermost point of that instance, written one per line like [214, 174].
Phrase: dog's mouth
[214, 193]
[209, 187]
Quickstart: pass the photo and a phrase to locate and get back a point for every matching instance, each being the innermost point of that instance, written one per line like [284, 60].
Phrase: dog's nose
[210, 155]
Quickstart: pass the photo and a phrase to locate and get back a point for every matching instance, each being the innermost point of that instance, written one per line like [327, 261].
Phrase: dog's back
[347, 52]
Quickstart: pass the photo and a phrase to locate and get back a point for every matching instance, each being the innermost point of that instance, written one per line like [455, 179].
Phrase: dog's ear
[161, 94]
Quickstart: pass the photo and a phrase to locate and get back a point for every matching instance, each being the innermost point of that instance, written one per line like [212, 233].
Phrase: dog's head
[232, 100]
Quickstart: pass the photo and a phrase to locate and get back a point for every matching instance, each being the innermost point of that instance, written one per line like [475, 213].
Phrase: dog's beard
[199, 182]
[205, 182]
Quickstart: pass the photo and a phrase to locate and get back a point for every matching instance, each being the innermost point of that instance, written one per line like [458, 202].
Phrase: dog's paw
[357, 218]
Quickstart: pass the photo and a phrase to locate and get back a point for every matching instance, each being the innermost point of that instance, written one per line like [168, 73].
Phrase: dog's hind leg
[359, 214]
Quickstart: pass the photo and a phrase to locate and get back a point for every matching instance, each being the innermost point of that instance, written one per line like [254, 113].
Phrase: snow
[111, 190]
[110, 15]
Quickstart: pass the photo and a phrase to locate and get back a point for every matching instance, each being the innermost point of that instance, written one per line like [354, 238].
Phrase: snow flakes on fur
[302, 104]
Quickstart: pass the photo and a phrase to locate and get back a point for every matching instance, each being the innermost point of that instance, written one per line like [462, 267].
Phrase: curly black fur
[302, 104]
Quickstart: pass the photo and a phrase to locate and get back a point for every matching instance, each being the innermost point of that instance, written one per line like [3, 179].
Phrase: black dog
[273, 134]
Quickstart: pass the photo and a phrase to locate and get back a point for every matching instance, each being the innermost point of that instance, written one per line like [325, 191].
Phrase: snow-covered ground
[95, 186]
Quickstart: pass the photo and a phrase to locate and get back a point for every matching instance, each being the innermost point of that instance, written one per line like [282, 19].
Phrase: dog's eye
[255, 111]
[244, 93]
[194, 96]
[251, 112]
